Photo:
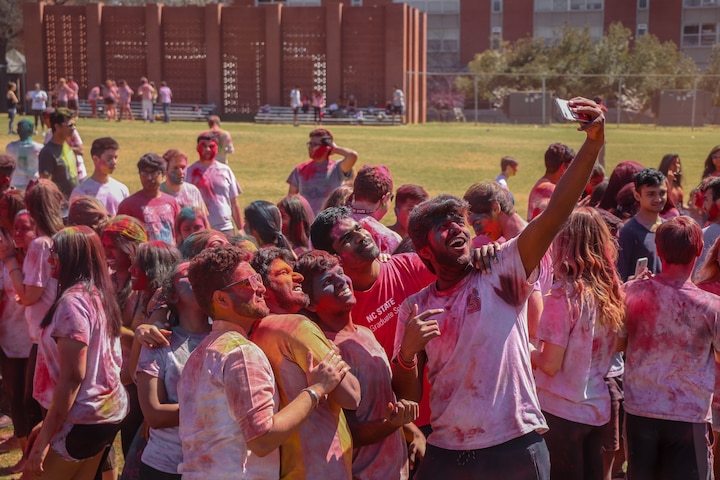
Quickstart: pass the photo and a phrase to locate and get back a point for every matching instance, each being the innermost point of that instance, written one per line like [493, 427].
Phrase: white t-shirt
[39, 99]
[218, 187]
[37, 273]
[110, 194]
[483, 391]
[578, 391]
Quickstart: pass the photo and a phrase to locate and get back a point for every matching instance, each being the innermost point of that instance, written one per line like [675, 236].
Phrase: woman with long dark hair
[297, 216]
[77, 376]
[264, 222]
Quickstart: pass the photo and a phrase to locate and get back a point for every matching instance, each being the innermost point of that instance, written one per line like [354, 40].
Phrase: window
[568, 5]
[356, 3]
[700, 3]
[496, 6]
[641, 30]
[496, 38]
[643, 4]
[699, 35]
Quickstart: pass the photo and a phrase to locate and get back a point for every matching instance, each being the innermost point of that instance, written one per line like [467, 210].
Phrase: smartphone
[640, 266]
[568, 114]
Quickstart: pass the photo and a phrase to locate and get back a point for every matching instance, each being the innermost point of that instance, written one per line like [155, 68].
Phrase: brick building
[238, 57]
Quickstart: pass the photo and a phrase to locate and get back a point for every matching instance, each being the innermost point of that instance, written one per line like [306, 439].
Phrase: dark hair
[338, 197]
[206, 137]
[152, 161]
[156, 259]
[648, 177]
[480, 196]
[410, 192]
[301, 216]
[598, 193]
[44, 202]
[100, 145]
[424, 217]
[59, 116]
[88, 211]
[15, 200]
[264, 218]
[372, 183]
[189, 214]
[679, 240]
[406, 246]
[81, 259]
[321, 229]
[310, 265]
[197, 242]
[321, 132]
[713, 185]
[621, 175]
[709, 165]
[665, 165]
[213, 120]
[8, 164]
[211, 270]
[265, 256]
[557, 155]
[506, 162]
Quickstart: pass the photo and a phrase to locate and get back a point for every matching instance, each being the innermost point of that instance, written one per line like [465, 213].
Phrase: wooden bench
[178, 111]
[284, 115]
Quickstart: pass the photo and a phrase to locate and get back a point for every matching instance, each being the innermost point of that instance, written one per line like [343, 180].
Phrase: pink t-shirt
[125, 92]
[385, 239]
[483, 391]
[386, 459]
[539, 197]
[80, 316]
[37, 273]
[714, 287]
[672, 333]
[322, 447]
[157, 214]
[14, 336]
[578, 391]
[227, 397]
[145, 91]
[219, 188]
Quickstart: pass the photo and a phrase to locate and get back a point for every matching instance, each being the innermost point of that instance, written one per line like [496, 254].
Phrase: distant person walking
[38, 99]
[165, 95]
[295, 103]
[12, 102]
[147, 93]
[318, 102]
[398, 103]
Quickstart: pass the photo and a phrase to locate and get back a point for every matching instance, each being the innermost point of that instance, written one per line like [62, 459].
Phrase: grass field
[441, 157]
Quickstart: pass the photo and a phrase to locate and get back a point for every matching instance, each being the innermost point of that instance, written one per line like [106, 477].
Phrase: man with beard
[218, 186]
[186, 194]
[322, 447]
[100, 184]
[472, 330]
[319, 176]
[228, 414]
[711, 206]
[377, 424]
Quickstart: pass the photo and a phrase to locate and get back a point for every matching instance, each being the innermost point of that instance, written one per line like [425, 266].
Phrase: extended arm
[534, 241]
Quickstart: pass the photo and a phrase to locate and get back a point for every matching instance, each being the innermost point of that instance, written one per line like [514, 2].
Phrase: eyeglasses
[255, 281]
[149, 174]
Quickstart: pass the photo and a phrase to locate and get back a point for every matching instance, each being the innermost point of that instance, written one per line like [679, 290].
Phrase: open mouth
[345, 292]
[457, 242]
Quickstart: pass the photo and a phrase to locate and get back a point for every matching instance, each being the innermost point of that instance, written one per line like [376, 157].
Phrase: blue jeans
[166, 112]
[522, 458]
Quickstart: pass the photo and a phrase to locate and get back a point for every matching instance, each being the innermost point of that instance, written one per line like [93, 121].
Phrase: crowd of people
[307, 339]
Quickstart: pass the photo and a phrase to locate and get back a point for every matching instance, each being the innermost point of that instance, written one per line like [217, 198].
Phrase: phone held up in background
[640, 266]
[568, 114]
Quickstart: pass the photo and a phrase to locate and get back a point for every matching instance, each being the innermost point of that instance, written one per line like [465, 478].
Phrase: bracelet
[407, 365]
[313, 396]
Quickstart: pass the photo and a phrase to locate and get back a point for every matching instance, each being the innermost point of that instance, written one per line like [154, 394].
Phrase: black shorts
[81, 442]
[396, 109]
[73, 104]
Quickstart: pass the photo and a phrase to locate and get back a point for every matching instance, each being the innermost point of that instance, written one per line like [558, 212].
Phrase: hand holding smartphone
[568, 114]
[640, 266]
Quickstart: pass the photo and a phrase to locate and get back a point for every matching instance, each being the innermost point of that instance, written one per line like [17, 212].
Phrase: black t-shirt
[51, 163]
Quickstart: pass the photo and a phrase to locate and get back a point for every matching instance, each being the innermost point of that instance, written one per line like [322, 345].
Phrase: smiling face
[247, 301]
[138, 278]
[117, 260]
[332, 293]
[284, 289]
[652, 198]
[448, 243]
[353, 244]
[23, 231]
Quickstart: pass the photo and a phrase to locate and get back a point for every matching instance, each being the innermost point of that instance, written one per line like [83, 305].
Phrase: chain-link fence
[668, 100]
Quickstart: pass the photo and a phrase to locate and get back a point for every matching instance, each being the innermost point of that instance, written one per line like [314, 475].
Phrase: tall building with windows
[458, 29]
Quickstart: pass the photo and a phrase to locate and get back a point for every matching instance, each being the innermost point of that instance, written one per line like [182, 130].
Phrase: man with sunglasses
[371, 199]
[230, 426]
[316, 178]
[57, 160]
